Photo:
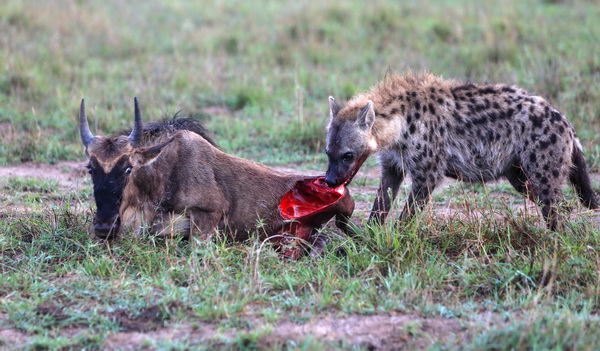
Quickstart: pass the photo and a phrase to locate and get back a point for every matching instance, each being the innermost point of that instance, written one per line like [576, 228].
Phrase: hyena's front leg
[342, 218]
[422, 186]
[389, 185]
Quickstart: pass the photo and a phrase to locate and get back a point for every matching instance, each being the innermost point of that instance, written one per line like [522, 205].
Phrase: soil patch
[375, 332]
[69, 174]
[150, 318]
[10, 338]
[52, 310]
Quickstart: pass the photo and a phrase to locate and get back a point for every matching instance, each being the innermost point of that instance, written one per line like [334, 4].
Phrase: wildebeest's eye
[128, 170]
[348, 156]
[90, 170]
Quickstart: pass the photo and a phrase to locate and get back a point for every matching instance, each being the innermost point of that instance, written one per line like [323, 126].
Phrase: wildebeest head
[349, 141]
[109, 166]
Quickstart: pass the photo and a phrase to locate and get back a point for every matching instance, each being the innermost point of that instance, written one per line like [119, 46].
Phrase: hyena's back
[502, 130]
[496, 129]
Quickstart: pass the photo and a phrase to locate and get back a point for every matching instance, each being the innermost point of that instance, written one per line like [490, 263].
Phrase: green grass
[543, 332]
[499, 276]
[37, 193]
[269, 72]
[260, 78]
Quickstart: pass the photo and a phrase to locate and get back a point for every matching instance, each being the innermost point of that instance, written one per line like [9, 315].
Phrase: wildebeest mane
[168, 126]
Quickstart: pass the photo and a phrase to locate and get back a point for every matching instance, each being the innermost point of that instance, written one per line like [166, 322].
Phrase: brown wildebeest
[187, 176]
[187, 185]
[108, 162]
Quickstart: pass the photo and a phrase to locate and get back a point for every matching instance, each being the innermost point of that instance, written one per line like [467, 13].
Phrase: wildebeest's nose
[107, 229]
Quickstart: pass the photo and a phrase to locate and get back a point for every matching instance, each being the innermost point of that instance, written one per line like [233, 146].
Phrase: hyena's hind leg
[547, 175]
[519, 180]
[533, 190]
[581, 180]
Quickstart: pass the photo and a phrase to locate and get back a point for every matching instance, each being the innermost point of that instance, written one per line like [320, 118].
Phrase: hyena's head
[349, 141]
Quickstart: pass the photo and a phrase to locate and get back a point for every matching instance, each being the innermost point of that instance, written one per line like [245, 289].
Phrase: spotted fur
[429, 127]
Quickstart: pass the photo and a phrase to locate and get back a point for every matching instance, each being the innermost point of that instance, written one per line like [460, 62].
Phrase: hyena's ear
[334, 108]
[151, 153]
[366, 116]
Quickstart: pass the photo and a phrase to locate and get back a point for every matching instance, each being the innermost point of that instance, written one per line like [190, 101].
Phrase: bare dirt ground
[376, 332]
[69, 174]
[389, 331]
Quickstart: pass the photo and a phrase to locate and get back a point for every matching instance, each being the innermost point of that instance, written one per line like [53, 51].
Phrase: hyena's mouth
[354, 170]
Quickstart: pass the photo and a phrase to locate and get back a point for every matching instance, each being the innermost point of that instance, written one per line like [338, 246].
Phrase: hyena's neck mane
[393, 98]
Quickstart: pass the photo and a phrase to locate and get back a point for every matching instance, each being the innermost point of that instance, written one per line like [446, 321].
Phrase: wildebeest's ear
[150, 153]
[366, 116]
[334, 108]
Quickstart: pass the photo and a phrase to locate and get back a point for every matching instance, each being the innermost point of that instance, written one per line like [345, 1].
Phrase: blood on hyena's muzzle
[342, 170]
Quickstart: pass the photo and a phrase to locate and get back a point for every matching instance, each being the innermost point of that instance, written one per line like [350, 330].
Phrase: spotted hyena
[431, 127]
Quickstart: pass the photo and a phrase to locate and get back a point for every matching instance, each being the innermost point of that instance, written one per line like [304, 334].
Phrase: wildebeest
[187, 176]
[108, 161]
[430, 127]
[185, 182]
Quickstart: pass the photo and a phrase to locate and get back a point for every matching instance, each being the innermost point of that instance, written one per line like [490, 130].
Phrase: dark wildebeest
[187, 177]
[185, 184]
[108, 162]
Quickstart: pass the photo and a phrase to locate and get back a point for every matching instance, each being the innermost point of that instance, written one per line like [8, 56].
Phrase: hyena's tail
[581, 180]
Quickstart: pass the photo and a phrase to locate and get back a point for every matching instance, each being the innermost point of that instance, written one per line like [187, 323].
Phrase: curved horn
[136, 133]
[84, 128]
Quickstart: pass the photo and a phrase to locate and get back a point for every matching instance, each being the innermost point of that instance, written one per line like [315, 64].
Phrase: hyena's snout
[336, 176]
[331, 180]
[333, 177]
[343, 171]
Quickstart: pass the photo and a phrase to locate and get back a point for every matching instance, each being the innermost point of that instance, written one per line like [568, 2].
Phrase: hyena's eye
[348, 156]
